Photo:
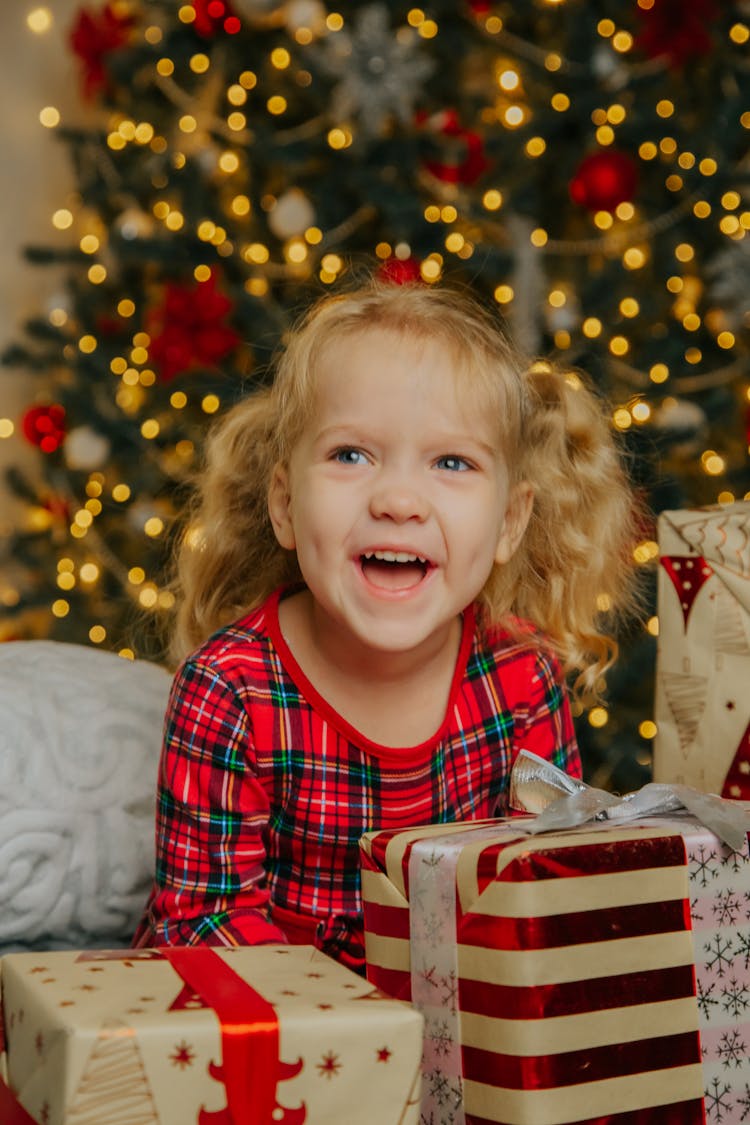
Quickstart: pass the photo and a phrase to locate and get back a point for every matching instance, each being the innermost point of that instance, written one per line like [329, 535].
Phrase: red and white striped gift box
[599, 976]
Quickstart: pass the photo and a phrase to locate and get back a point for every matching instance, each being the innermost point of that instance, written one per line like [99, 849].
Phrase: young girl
[399, 551]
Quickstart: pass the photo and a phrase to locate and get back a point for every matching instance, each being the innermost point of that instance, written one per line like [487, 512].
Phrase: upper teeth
[394, 556]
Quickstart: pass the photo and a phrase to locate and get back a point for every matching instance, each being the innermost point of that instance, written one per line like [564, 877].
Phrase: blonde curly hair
[572, 575]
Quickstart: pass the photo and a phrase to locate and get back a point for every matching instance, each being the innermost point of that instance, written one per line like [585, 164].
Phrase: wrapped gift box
[249, 1036]
[597, 976]
[702, 706]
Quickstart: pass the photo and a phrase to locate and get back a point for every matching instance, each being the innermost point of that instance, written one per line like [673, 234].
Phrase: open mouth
[394, 570]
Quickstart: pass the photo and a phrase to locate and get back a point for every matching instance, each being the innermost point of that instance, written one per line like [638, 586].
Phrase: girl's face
[396, 498]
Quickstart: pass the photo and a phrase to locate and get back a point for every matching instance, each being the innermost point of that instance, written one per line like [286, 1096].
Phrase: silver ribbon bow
[538, 786]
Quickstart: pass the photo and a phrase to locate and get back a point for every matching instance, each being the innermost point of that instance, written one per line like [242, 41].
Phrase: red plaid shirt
[265, 790]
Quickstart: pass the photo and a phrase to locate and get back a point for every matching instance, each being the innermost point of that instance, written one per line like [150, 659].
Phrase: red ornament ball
[213, 15]
[400, 271]
[603, 180]
[44, 426]
[462, 159]
[189, 328]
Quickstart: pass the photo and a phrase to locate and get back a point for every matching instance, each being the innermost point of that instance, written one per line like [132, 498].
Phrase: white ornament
[381, 71]
[608, 67]
[84, 448]
[679, 414]
[566, 317]
[292, 214]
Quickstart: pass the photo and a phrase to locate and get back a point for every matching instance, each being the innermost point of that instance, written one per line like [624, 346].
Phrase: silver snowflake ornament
[380, 71]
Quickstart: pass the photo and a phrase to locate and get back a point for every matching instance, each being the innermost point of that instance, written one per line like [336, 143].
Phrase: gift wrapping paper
[247, 1036]
[702, 705]
[599, 976]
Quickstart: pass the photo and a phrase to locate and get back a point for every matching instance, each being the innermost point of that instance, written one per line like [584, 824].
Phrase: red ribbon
[250, 1067]
[11, 1110]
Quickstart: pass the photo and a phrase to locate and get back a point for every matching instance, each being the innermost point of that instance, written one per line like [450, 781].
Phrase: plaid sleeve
[548, 730]
[211, 810]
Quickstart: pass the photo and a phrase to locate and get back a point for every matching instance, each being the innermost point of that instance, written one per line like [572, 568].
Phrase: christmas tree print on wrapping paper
[114, 1081]
[686, 697]
[719, 569]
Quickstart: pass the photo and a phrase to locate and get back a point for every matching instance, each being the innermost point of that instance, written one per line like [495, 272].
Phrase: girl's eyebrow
[448, 442]
[339, 428]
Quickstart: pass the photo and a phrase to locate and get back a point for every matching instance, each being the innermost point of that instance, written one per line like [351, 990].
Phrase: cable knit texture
[79, 746]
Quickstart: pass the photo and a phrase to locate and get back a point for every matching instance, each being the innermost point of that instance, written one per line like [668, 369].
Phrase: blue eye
[349, 456]
[453, 464]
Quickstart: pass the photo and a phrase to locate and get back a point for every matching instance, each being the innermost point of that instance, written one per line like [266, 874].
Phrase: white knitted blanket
[80, 731]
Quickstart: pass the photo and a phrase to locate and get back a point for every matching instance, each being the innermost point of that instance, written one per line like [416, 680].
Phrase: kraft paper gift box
[597, 976]
[247, 1036]
[702, 706]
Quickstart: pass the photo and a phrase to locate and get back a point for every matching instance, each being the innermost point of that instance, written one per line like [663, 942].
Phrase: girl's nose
[398, 501]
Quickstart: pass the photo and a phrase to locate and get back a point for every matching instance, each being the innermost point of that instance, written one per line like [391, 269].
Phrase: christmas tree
[583, 168]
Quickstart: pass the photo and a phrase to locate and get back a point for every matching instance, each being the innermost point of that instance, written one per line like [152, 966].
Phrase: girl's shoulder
[243, 645]
[514, 640]
[509, 629]
[518, 658]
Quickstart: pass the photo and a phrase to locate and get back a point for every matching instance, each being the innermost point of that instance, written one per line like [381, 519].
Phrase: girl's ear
[279, 505]
[517, 514]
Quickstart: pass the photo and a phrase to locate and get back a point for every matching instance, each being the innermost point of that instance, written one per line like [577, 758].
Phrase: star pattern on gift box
[717, 1100]
[446, 1093]
[718, 954]
[726, 907]
[383, 1054]
[432, 930]
[704, 865]
[329, 1065]
[182, 1056]
[735, 998]
[438, 1031]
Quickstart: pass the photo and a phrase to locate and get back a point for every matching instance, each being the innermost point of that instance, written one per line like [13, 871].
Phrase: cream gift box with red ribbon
[268, 1035]
[597, 976]
[702, 707]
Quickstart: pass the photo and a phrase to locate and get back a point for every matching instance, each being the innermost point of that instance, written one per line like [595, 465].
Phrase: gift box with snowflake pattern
[702, 706]
[248, 1036]
[597, 976]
